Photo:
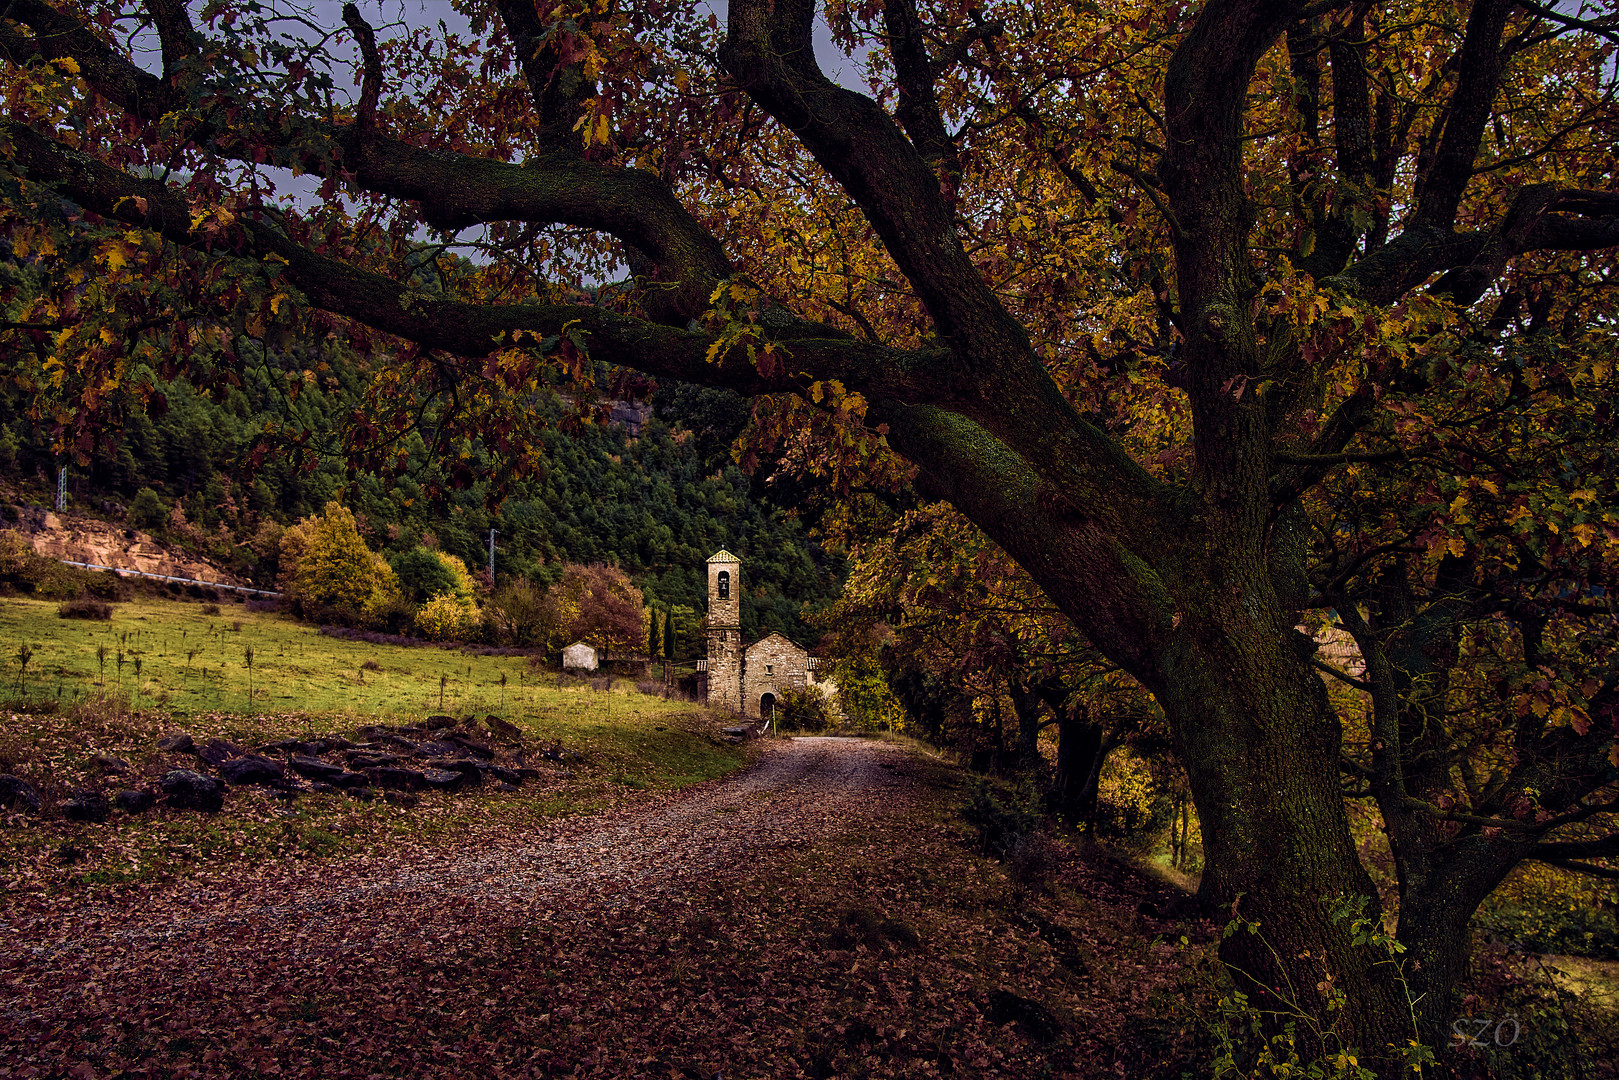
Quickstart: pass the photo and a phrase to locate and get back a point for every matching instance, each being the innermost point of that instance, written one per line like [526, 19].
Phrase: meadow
[183, 668]
[177, 656]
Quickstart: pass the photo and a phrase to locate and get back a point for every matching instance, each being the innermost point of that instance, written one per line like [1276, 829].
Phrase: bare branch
[371, 84]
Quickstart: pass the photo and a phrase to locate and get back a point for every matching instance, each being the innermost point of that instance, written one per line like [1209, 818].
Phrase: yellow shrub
[446, 618]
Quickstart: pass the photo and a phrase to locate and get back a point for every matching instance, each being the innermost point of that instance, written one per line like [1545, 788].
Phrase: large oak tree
[1136, 289]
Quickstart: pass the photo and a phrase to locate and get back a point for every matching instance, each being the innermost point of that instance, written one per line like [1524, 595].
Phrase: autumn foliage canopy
[1215, 318]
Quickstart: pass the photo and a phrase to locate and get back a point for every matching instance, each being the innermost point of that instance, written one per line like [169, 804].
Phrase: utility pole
[491, 558]
[61, 490]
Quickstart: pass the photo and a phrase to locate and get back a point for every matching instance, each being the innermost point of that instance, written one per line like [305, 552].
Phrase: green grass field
[176, 657]
[185, 670]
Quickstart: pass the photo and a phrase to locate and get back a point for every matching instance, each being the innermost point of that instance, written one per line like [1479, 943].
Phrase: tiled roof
[723, 556]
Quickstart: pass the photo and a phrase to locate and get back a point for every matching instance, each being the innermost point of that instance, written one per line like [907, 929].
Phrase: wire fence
[168, 577]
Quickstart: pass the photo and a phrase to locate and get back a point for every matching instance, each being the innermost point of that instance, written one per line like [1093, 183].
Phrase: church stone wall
[773, 665]
[725, 669]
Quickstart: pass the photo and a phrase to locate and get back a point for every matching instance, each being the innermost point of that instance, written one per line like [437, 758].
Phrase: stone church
[747, 679]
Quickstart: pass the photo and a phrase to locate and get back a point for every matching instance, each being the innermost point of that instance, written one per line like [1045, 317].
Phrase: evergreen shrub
[147, 511]
[87, 608]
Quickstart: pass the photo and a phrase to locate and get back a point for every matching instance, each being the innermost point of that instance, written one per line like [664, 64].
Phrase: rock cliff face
[86, 540]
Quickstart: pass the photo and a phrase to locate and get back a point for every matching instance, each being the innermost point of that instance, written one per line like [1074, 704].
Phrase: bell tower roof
[723, 556]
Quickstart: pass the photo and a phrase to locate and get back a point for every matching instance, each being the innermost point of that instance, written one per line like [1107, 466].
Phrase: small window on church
[725, 584]
[770, 669]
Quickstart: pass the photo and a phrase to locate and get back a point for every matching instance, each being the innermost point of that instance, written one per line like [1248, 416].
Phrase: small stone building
[579, 656]
[747, 679]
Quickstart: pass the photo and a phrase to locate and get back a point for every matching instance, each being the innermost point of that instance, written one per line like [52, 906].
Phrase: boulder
[216, 751]
[503, 729]
[433, 723]
[133, 802]
[438, 749]
[506, 776]
[445, 779]
[501, 785]
[187, 789]
[398, 779]
[467, 767]
[177, 744]
[252, 769]
[363, 759]
[85, 806]
[527, 773]
[315, 768]
[109, 763]
[364, 794]
[18, 794]
[471, 747]
[350, 780]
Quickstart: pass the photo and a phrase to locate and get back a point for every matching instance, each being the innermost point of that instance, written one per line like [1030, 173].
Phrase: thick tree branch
[174, 33]
[918, 102]
[559, 92]
[1466, 284]
[992, 372]
[1577, 867]
[468, 329]
[455, 191]
[1600, 848]
[56, 36]
[1480, 63]
[1072, 547]
[1538, 220]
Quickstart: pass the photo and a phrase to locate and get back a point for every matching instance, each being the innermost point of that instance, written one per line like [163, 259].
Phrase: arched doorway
[767, 707]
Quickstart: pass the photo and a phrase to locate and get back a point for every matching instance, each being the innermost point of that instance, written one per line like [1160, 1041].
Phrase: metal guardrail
[166, 577]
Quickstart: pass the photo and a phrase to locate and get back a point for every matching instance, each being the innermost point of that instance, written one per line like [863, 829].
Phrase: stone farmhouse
[747, 679]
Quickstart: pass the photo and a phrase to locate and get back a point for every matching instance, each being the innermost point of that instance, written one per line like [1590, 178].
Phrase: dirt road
[800, 791]
[219, 959]
[821, 914]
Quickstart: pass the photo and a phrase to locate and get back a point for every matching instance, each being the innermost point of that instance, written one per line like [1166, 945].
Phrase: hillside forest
[652, 494]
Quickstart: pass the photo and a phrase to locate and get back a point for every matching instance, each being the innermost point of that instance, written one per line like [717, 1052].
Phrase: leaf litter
[819, 914]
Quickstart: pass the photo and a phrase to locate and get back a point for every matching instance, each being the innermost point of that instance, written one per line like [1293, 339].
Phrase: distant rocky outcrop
[73, 538]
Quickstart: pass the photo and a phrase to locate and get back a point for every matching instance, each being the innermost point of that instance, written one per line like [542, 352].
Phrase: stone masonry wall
[773, 665]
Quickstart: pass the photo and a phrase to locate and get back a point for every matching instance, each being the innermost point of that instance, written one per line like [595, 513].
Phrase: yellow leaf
[1457, 546]
[275, 303]
[107, 335]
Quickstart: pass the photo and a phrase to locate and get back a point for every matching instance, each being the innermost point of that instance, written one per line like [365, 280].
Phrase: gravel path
[811, 916]
[799, 792]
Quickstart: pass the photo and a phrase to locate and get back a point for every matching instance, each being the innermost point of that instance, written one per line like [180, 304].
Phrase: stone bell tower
[725, 631]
